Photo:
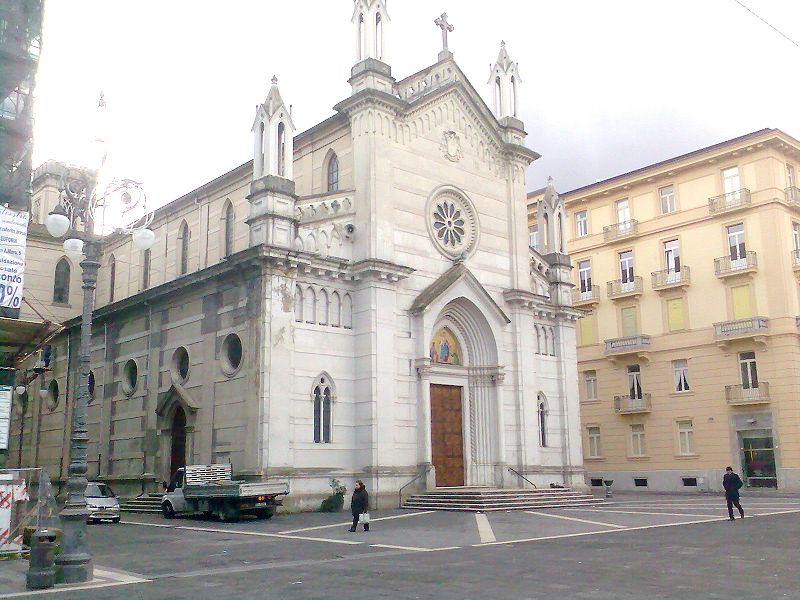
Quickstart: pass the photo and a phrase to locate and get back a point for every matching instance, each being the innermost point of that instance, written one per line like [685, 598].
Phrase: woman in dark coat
[359, 504]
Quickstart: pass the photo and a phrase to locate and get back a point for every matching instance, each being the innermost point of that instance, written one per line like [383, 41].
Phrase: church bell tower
[272, 189]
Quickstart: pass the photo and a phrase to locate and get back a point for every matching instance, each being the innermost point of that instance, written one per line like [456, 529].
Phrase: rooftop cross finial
[445, 27]
[274, 80]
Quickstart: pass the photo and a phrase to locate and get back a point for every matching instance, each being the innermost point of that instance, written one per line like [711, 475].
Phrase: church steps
[487, 499]
[143, 504]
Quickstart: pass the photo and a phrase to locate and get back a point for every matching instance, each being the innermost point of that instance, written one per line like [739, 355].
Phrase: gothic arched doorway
[178, 441]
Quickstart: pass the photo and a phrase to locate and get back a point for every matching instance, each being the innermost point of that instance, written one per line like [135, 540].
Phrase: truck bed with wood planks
[211, 490]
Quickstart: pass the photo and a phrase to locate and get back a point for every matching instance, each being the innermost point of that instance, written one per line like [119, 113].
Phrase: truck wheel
[167, 510]
[228, 512]
[264, 513]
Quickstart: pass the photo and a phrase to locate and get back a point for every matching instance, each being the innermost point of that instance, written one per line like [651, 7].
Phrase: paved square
[634, 546]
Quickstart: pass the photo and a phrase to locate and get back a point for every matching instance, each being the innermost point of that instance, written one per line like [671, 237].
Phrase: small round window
[180, 365]
[52, 395]
[231, 353]
[130, 376]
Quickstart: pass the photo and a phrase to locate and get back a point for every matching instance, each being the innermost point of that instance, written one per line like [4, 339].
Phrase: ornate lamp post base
[74, 564]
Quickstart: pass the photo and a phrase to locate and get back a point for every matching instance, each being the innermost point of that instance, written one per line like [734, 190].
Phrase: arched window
[546, 233]
[61, 282]
[298, 304]
[183, 236]
[513, 96]
[560, 233]
[542, 411]
[230, 218]
[322, 307]
[347, 312]
[261, 148]
[538, 339]
[281, 149]
[322, 397]
[310, 307]
[362, 38]
[146, 269]
[498, 97]
[336, 310]
[112, 277]
[333, 173]
[378, 36]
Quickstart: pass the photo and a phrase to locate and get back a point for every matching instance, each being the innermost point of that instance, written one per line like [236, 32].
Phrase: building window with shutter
[680, 372]
[593, 433]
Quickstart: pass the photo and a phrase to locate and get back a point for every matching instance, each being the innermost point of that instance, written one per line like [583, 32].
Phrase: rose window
[452, 223]
[449, 224]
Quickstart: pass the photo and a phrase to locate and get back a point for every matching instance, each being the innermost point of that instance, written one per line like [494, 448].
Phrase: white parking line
[252, 533]
[484, 528]
[414, 548]
[587, 533]
[641, 512]
[422, 512]
[544, 514]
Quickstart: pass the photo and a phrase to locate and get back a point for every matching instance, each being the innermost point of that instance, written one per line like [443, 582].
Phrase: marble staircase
[485, 499]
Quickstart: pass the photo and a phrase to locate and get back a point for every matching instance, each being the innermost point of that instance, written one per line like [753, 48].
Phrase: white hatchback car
[101, 502]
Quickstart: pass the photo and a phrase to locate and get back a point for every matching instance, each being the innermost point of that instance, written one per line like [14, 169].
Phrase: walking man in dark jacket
[359, 504]
[732, 483]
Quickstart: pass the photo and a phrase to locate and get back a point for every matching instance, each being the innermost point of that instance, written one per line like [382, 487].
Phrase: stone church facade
[358, 301]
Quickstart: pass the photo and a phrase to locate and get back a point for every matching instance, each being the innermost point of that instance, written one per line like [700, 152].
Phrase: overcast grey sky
[607, 86]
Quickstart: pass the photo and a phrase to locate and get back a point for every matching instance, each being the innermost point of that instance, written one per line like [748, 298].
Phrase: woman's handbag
[363, 518]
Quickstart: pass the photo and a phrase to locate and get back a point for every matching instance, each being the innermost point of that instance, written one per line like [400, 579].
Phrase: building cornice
[670, 167]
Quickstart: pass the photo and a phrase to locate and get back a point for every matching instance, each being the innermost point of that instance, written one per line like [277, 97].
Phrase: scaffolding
[20, 44]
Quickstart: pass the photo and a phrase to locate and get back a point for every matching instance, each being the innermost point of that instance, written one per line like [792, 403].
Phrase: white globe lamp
[143, 239]
[73, 248]
[57, 222]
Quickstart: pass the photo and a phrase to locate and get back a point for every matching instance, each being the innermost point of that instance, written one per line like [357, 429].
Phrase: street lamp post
[79, 201]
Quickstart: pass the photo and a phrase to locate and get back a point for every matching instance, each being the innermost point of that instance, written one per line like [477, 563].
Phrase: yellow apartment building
[688, 355]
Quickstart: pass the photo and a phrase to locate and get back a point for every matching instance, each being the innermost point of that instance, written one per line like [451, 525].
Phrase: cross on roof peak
[442, 23]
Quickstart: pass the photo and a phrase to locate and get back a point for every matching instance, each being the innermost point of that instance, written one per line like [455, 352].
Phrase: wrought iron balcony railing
[741, 327]
[725, 265]
[619, 288]
[792, 195]
[738, 394]
[621, 230]
[631, 343]
[671, 278]
[730, 201]
[626, 403]
[590, 296]
[796, 258]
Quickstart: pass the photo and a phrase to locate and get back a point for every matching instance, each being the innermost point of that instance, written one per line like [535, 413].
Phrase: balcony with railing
[623, 289]
[618, 231]
[727, 266]
[738, 394]
[730, 201]
[796, 259]
[740, 328]
[631, 344]
[792, 195]
[585, 298]
[629, 404]
[671, 278]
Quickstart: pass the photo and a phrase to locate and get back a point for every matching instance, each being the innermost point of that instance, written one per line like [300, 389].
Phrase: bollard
[41, 567]
[608, 483]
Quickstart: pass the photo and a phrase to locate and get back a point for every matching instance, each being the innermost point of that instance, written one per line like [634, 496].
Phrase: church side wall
[129, 444]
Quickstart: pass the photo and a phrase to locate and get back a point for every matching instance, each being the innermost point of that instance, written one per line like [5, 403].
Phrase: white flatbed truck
[211, 490]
